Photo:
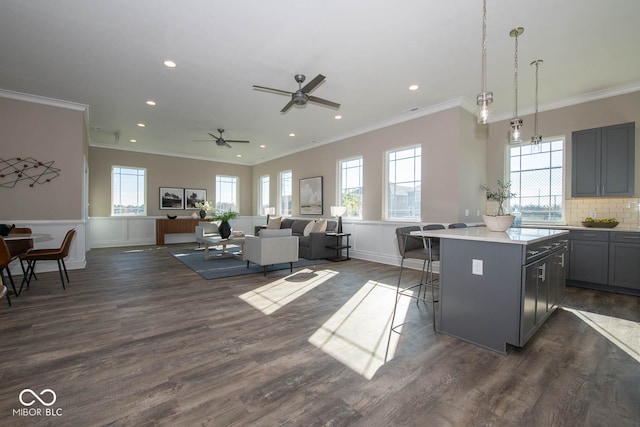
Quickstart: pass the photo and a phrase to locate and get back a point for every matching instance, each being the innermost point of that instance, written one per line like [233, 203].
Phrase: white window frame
[142, 190]
[416, 182]
[344, 166]
[222, 197]
[283, 177]
[515, 203]
[263, 194]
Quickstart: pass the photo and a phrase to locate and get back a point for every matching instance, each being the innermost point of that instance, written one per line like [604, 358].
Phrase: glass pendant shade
[484, 101]
[516, 130]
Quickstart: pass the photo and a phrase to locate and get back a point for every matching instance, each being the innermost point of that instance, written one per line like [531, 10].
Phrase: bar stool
[413, 247]
[458, 225]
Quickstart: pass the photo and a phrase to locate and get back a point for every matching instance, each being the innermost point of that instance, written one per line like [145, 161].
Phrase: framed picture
[171, 198]
[193, 196]
[311, 196]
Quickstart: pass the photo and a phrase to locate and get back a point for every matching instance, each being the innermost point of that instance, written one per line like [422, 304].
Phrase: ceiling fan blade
[214, 137]
[313, 83]
[323, 101]
[236, 140]
[270, 89]
[286, 107]
[227, 144]
[202, 140]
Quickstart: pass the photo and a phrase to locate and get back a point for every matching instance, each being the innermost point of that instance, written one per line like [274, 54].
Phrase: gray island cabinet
[498, 288]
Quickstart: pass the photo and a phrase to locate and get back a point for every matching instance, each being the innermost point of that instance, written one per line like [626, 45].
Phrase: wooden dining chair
[58, 254]
[5, 259]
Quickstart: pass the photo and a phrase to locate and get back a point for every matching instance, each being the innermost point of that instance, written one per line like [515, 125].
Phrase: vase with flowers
[224, 217]
[502, 220]
[204, 207]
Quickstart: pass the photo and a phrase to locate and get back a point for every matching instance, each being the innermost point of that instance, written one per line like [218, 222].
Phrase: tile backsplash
[625, 209]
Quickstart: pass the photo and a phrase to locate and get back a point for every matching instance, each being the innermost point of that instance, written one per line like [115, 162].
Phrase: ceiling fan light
[299, 98]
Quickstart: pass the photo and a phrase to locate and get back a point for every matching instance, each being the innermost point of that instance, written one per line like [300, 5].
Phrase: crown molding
[52, 102]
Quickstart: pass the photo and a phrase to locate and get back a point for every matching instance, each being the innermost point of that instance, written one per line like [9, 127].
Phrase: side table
[339, 246]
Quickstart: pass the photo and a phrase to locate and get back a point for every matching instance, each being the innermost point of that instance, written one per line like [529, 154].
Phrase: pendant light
[485, 98]
[536, 138]
[516, 122]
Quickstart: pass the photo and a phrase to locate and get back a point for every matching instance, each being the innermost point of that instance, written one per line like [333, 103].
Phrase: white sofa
[271, 246]
[206, 229]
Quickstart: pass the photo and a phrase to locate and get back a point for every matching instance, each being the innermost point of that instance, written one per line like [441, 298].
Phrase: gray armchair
[271, 247]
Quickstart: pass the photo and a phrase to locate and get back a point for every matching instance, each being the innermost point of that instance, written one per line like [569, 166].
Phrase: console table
[174, 226]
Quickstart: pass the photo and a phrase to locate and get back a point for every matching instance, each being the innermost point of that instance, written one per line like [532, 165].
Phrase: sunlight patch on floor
[623, 333]
[358, 332]
[277, 294]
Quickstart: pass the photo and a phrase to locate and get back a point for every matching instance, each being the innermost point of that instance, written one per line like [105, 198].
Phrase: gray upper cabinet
[603, 161]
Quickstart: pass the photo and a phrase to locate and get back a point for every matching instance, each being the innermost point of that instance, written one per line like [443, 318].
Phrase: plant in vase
[502, 220]
[225, 228]
[204, 207]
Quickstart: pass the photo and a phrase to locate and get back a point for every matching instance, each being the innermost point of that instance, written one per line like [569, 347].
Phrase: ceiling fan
[220, 141]
[301, 96]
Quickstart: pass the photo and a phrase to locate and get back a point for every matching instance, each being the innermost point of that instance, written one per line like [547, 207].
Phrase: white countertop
[521, 236]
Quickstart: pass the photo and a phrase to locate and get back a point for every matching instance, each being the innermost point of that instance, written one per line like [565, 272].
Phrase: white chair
[206, 229]
[271, 247]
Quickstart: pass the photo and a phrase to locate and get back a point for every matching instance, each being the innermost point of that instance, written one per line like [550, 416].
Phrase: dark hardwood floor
[139, 339]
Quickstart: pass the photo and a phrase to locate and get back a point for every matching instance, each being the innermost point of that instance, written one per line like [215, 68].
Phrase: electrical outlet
[476, 267]
[593, 214]
[466, 212]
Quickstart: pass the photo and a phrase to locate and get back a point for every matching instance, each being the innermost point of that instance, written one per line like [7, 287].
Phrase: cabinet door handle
[542, 270]
[631, 237]
[562, 260]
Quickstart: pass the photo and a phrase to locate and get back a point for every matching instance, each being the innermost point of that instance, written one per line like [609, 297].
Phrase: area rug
[228, 267]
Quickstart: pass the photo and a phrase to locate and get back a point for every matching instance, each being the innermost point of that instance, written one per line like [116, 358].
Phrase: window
[226, 193]
[128, 193]
[404, 171]
[350, 184]
[284, 199]
[536, 178]
[264, 194]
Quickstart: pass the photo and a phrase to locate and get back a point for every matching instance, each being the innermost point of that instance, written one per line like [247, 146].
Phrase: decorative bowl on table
[498, 222]
[601, 224]
[172, 216]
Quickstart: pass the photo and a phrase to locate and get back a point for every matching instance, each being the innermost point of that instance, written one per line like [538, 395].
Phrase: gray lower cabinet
[589, 256]
[624, 260]
[543, 289]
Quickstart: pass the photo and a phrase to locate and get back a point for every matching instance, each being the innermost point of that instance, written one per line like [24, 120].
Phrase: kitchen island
[498, 288]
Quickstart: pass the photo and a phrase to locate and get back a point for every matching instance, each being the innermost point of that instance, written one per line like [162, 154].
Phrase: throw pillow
[274, 222]
[319, 226]
[308, 228]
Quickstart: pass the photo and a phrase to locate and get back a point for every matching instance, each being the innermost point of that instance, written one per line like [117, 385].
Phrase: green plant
[500, 195]
[225, 216]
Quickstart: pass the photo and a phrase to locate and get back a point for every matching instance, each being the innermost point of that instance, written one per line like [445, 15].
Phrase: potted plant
[502, 220]
[204, 208]
[224, 217]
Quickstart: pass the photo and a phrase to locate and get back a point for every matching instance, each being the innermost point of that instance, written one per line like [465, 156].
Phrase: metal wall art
[30, 170]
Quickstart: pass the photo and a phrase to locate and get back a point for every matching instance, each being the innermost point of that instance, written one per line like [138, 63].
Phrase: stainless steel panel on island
[498, 288]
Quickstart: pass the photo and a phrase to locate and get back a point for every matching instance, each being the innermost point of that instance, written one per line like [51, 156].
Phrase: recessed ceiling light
[292, 134]
[170, 64]
[414, 87]
[141, 125]
[133, 140]
[238, 155]
[338, 117]
[262, 146]
[151, 102]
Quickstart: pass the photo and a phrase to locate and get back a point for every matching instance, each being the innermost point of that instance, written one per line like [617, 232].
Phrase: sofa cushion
[319, 226]
[298, 226]
[286, 223]
[308, 228]
[274, 222]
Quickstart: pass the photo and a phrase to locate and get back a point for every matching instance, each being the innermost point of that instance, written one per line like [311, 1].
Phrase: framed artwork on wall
[311, 196]
[193, 196]
[171, 198]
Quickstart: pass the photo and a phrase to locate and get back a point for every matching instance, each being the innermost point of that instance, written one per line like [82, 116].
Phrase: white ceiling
[108, 54]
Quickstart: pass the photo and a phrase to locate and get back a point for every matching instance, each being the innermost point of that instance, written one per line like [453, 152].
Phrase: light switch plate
[476, 267]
